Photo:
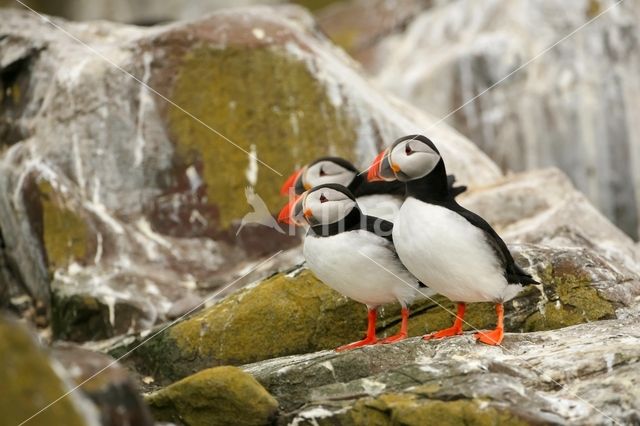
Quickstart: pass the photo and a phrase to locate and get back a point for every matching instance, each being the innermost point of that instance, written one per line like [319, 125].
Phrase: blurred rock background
[572, 107]
[121, 206]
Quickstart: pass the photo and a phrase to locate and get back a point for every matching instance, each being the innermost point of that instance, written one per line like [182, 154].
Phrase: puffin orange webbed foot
[393, 339]
[493, 337]
[360, 343]
[447, 332]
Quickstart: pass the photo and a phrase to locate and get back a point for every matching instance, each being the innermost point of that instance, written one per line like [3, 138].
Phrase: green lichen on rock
[256, 97]
[295, 314]
[572, 300]
[216, 396]
[409, 410]
[315, 5]
[66, 236]
[281, 316]
[29, 383]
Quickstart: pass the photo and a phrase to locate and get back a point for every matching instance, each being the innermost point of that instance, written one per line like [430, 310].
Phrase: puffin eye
[408, 150]
[322, 172]
[323, 199]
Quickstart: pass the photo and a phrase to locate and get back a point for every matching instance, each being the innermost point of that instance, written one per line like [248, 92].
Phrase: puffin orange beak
[292, 182]
[374, 169]
[308, 213]
[290, 210]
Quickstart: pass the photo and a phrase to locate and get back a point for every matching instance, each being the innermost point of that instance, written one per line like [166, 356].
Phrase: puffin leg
[371, 333]
[494, 337]
[402, 334]
[451, 331]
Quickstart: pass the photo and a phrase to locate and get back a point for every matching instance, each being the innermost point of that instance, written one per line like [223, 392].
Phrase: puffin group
[399, 234]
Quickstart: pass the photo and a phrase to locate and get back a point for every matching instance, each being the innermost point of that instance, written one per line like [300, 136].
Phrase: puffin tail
[454, 190]
[520, 276]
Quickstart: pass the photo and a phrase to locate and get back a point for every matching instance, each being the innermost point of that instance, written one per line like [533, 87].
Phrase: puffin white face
[412, 159]
[327, 171]
[324, 206]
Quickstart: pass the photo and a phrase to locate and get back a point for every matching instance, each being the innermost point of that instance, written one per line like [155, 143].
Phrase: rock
[127, 207]
[31, 381]
[285, 314]
[215, 396]
[543, 207]
[358, 26]
[106, 384]
[569, 376]
[566, 106]
[294, 313]
[144, 12]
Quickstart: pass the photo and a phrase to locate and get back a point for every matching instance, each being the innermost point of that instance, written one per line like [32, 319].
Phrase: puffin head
[408, 158]
[323, 205]
[321, 171]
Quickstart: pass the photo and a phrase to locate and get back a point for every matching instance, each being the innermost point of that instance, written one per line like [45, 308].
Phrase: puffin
[340, 239]
[380, 198]
[443, 244]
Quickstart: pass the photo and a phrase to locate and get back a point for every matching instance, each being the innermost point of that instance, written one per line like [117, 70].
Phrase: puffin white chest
[384, 206]
[448, 253]
[343, 262]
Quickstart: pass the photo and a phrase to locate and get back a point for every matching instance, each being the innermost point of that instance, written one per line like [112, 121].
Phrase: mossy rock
[29, 383]
[66, 235]
[409, 410]
[296, 313]
[265, 102]
[216, 396]
[571, 300]
[283, 315]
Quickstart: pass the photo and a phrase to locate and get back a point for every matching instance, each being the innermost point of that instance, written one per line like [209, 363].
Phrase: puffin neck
[360, 186]
[432, 188]
[351, 221]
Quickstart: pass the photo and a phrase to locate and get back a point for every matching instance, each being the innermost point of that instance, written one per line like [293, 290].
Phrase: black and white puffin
[380, 199]
[338, 242]
[443, 244]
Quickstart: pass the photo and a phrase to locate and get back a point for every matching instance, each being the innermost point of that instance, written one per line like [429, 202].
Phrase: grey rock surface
[586, 374]
[570, 106]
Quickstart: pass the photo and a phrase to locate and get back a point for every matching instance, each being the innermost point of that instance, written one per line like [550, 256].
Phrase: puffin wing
[380, 227]
[455, 190]
[512, 272]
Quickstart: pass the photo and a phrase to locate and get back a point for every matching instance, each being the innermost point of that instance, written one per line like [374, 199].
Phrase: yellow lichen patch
[216, 396]
[29, 384]
[315, 4]
[346, 38]
[66, 236]
[279, 317]
[409, 410]
[16, 94]
[577, 302]
[258, 97]
[593, 9]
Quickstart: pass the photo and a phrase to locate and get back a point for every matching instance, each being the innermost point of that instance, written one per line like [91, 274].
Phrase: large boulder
[586, 374]
[32, 383]
[64, 385]
[144, 12]
[123, 182]
[358, 26]
[215, 396]
[294, 313]
[569, 102]
[108, 385]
